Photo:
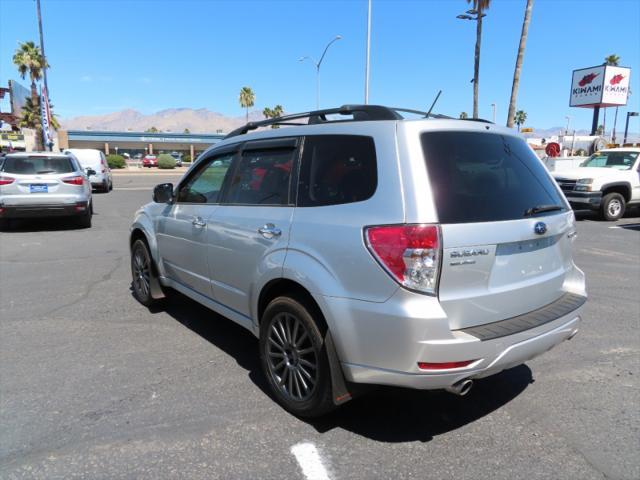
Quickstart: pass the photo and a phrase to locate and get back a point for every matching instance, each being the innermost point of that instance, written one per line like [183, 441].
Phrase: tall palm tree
[516, 73]
[479, 6]
[30, 116]
[612, 60]
[520, 118]
[29, 60]
[247, 99]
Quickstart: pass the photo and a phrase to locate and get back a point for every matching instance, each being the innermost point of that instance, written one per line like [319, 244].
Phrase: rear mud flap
[341, 393]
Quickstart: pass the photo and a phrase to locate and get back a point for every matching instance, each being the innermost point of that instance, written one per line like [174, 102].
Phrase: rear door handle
[198, 222]
[269, 230]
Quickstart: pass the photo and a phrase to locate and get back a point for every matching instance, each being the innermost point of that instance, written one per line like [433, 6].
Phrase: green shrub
[166, 161]
[186, 158]
[116, 161]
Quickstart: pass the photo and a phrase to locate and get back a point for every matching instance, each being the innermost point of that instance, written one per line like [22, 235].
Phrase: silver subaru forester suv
[361, 247]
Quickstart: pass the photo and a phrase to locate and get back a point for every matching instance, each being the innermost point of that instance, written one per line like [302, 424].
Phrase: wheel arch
[623, 188]
[285, 286]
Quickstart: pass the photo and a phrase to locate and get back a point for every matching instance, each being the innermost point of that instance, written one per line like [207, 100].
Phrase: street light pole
[626, 125]
[366, 68]
[566, 130]
[493, 105]
[317, 65]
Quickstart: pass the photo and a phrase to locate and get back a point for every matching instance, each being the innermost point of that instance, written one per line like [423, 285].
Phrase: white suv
[608, 181]
[364, 248]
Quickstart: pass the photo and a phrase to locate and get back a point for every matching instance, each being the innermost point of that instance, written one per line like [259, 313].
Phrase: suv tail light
[6, 180]
[77, 180]
[409, 253]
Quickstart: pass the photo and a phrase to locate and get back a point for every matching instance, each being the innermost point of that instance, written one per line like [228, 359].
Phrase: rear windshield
[27, 165]
[485, 177]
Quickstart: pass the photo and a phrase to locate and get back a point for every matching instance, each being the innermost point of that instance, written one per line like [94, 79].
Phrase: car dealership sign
[601, 86]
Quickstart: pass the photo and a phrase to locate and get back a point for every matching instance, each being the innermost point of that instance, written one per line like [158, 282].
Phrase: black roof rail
[360, 113]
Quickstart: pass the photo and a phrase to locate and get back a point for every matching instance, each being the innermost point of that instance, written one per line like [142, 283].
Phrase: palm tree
[479, 6]
[516, 73]
[30, 116]
[247, 99]
[463, 115]
[152, 130]
[29, 60]
[186, 131]
[612, 60]
[520, 118]
[275, 112]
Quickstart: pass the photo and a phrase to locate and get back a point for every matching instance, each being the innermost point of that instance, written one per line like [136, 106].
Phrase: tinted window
[206, 184]
[27, 165]
[337, 169]
[262, 178]
[483, 177]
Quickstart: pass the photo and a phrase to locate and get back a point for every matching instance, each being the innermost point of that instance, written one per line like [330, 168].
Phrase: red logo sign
[587, 79]
[616, 79]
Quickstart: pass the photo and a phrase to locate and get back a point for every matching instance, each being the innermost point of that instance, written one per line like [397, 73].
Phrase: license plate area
[38, 188]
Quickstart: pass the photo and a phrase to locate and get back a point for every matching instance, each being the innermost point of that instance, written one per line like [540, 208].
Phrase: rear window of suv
[31, 165]
[485, 177]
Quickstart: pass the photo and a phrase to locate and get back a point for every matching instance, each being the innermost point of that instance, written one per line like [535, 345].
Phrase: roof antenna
[433, 104]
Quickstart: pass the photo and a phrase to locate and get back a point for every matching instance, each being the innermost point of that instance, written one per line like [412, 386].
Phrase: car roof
[621, 149]
[38, 154]
[360, 127]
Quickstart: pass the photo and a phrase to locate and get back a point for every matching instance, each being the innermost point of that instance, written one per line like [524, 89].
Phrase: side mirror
[163, 193]
[90, 171]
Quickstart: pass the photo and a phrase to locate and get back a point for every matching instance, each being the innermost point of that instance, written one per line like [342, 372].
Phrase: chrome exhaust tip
[460, 388]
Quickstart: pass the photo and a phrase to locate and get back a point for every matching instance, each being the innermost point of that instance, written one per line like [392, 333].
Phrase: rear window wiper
[541, 209]
[45, 171]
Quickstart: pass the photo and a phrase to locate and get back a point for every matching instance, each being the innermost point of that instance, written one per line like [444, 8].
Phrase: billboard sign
[600, 86]
[18, 96]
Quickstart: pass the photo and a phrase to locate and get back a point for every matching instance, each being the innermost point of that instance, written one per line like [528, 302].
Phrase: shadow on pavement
[51, 224]
[383, 414]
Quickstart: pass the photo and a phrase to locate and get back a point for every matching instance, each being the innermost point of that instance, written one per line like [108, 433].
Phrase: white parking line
[626, 225]
[310, 462]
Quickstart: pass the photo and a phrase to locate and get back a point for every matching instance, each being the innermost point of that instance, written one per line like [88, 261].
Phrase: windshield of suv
[487, 177]
[28, 165]
[617, 160]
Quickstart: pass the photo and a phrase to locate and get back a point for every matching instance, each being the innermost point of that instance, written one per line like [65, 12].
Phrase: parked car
[45, 185]
[137, 156]
[150, 161]
[608, 181]
[94, 160]
[370, 250]
[177, 156]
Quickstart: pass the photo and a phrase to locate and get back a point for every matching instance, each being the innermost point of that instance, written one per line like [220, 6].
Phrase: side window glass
[337, 169]
[262, 178]
[205, 186]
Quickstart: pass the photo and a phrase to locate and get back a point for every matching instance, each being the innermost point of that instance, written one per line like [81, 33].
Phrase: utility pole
[44, 69]
[366, 68]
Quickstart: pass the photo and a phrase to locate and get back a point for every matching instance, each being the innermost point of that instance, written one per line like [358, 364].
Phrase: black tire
[105, 186]
[142, 272]
[294, 357]
[84, 221]
[612, 207]
[111, 185]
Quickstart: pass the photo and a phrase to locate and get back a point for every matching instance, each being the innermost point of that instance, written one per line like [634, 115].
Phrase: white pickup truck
[608, 181]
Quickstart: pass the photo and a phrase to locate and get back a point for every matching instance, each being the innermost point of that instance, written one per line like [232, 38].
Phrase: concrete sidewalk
[148, 171]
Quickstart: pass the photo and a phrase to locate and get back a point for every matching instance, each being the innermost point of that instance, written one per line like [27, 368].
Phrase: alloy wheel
[291, 357]
[141, 277]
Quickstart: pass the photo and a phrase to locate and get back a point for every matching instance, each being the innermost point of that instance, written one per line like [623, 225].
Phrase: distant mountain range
[201, 120]
[174, 120]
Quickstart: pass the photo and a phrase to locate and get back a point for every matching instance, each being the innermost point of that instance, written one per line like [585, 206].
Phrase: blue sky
[156, 54]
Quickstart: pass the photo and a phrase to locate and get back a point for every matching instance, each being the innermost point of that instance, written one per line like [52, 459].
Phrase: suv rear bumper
[35, 211]
[382, 343]
[584, 200]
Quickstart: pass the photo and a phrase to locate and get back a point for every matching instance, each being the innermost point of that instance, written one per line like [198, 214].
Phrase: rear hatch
[505, 227]
[39, 180]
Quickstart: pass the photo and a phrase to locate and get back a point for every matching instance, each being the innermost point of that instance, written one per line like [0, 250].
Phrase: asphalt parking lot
[94, 385]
